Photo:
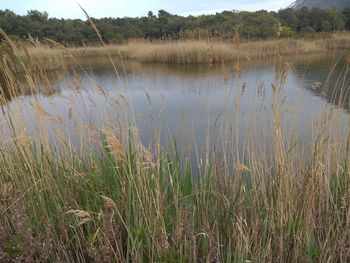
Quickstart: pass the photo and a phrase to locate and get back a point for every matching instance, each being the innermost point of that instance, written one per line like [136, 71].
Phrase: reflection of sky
[122, 8]
[182, 103]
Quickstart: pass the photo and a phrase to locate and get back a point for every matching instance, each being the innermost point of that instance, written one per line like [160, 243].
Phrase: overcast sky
[133, 8]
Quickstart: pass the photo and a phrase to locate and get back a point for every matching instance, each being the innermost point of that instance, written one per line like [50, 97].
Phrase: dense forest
[248, 25]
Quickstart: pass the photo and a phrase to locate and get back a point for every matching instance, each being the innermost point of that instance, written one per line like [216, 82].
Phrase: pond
[223, 106]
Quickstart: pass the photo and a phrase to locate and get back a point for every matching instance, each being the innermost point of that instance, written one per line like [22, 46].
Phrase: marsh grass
[190, 51]
[125, 202]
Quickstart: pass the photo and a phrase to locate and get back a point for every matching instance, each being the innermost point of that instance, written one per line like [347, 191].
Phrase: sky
[134, 8]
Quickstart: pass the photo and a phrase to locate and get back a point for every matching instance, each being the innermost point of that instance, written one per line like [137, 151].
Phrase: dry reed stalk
[115, 145]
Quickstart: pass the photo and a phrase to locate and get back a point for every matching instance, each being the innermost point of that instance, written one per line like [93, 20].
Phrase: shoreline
[184, 52]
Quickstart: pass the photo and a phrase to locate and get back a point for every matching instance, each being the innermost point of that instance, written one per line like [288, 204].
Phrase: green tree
[288, 17]
[346, 15]
[335, 19]
[251, 25]
[36, 15]
[287, 32]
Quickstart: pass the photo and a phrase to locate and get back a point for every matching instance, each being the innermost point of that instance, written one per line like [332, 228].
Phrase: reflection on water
[192, 103]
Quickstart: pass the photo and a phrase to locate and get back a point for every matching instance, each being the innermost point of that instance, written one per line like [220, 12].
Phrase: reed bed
[119, 201]
[195, 52]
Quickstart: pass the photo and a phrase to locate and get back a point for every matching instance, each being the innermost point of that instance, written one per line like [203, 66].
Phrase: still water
[192, 104]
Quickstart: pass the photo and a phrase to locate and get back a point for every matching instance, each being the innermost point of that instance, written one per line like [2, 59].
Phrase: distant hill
[336, 4]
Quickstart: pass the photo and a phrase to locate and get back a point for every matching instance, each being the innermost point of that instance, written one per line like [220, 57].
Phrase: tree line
[225, 25]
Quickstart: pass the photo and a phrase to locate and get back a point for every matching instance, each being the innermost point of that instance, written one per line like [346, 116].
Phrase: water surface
[192, 104]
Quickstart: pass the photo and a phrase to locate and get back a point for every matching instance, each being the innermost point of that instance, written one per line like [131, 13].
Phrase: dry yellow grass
[192, 52]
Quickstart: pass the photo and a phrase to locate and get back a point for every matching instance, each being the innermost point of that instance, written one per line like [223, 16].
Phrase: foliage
[250, 25]
[287, 31]
[346, 15]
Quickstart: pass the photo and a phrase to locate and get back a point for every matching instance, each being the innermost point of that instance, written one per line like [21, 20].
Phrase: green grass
[136, 210]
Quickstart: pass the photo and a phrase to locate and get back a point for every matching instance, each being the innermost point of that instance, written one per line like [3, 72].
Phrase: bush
[307, 30]
[287, 31]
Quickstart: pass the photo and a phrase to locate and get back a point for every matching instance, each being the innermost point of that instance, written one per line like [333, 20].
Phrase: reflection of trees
[327, 77]
[103, 64]
[314, 72]
[4, 91]
[15, 81]
[8, 80]
[311, 69]
[40, 83]
[335, 90]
